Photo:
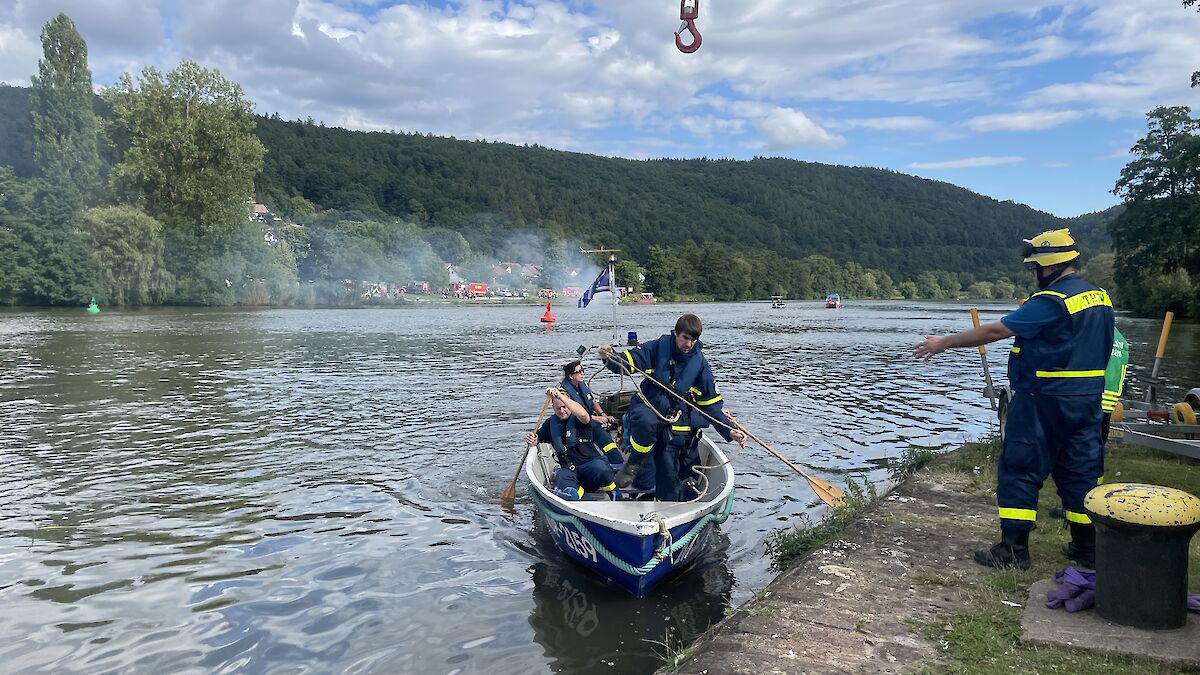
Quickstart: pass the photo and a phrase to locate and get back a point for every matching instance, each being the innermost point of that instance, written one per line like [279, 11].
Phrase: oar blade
[828, 492]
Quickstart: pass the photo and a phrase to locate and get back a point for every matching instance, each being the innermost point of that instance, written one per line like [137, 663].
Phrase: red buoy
[548, 317]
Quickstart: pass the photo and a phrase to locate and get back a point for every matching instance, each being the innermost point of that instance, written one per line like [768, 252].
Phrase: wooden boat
[635, 544]
[833, 301]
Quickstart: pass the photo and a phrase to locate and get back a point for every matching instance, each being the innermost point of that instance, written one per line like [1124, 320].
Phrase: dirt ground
[853, 606]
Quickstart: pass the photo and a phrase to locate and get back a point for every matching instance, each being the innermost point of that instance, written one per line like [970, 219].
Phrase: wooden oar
[510, 492]
[828, 492]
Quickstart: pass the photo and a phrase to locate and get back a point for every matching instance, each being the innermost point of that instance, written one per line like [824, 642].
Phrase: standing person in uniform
[675, 360]
[1064, 334]
[1114, 385]
[577, 441]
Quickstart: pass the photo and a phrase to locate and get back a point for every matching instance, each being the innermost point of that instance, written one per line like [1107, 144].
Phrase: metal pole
[987, 373]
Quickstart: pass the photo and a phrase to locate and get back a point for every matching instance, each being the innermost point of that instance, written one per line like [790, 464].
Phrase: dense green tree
[189, 152]
[126, 248]
[630, 275]
[1155, 235]
[18, 262]
[64, 126]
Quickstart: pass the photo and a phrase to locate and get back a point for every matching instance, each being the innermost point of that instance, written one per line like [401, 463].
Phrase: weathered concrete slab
[853, 606]
[1088, 630]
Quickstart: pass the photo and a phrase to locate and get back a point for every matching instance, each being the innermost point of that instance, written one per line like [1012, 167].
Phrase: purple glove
[1085, 600]
[1076, 590]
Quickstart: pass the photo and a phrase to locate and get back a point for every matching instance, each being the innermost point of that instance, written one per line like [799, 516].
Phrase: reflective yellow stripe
[648, 371]
[629, 358]
[1054, 293]
[710, 401]
[695, 391]
[610, 446]
[1078, 303]
[1080, 518]
[641, 448]
[609, 488]
[1100, 480]
[680, 427]
[1015, 350]
[1018, 514]
[1070, 373]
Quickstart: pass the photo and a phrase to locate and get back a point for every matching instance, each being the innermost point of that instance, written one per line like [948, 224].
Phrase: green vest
[1114, 374]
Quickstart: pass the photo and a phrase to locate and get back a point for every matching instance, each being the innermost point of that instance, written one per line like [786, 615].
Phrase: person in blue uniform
[573, 383]
[661, 425]
[577, 440]
[1064, 334]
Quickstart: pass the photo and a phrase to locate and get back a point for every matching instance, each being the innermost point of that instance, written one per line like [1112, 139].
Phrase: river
[270, 491]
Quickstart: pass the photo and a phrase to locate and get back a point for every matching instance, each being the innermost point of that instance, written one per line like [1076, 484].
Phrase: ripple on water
[267, 491]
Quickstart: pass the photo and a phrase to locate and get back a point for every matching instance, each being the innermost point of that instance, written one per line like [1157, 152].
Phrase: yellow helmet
[1052, 247]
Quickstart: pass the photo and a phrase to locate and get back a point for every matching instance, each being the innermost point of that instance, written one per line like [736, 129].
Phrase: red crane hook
[688, 11]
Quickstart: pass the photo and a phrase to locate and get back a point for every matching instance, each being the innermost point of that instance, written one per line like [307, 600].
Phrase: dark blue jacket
[1068, 357]
[689, 375]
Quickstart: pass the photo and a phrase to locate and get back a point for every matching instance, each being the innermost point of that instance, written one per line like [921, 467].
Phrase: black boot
[629, 472]
[1082, 547]
[1058, 513]
[1012, 551]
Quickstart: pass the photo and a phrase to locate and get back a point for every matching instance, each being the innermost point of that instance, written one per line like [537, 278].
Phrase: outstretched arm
[985, 334]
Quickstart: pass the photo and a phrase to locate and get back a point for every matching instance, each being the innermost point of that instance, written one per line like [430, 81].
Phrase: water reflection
[586, 625]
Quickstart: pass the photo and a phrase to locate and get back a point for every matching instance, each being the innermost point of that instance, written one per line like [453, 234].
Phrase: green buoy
[93, 308]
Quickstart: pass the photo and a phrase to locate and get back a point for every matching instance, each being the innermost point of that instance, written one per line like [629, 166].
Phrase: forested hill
[881, 219]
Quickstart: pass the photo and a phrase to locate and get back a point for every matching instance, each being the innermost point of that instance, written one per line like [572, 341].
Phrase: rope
[664, 552]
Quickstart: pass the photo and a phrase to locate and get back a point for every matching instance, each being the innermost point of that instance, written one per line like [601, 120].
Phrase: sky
[1024, 100]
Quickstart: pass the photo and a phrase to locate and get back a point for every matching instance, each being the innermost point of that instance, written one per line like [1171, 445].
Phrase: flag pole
[616, 290]
[612, 279]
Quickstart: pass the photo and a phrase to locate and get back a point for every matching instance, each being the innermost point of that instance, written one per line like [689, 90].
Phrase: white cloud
[18, 56]
[1033, 120]
[897, 123]
[1041, 50]
[967, 163]
[787, 129]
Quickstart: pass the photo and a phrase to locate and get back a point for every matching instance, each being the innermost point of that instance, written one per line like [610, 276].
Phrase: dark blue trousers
[1056, 436]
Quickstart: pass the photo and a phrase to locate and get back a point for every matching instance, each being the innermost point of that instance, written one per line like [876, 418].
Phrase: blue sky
[1027, 101]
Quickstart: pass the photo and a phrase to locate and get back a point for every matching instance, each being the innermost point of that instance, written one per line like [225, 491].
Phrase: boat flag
[602, 284]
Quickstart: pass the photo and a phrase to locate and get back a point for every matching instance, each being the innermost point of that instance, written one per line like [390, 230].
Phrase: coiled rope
[663, 553]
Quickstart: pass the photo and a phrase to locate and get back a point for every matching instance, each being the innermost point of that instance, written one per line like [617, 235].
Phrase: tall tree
[64, 125]
[1161, 189]
[189, 151]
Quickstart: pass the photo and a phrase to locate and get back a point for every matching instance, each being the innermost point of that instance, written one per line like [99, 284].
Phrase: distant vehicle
[477, 290]
[833, 301]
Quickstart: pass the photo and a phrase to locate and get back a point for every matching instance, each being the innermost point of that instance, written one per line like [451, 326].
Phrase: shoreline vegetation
[941, 507]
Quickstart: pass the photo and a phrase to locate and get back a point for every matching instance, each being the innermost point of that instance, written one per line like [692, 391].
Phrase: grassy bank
[982, 636]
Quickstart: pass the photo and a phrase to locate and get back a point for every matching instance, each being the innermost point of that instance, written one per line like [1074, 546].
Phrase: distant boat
[93, 308]
[777, 302]
[647, 298]
[833, 301]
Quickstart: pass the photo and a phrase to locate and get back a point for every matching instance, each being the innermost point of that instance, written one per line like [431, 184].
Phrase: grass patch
[910, 461]
[672, 656]
[787, 546]
[982, 636]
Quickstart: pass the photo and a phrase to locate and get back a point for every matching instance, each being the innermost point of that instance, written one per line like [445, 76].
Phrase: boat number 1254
[576, 542]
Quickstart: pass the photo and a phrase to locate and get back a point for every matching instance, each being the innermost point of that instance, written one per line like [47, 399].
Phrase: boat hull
[634, 554]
